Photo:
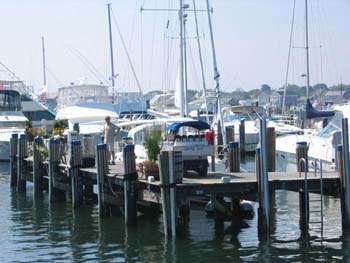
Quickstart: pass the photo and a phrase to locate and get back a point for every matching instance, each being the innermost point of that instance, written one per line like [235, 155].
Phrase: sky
[251, 40]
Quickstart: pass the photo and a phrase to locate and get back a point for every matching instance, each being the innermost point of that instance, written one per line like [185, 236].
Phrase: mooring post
[302, 152]
[242, 136]
[165, 193]
[13, 159]
[342, 185]
[172, 186]
[271, 148]
[37, 177]
[102, 169]
[234, 157]
[346, 169]
[230, 133]
[54, 159]
[130, 184]
[22, 152]
[258, 171]
[264, 202]
[75, 161]
[220, 141]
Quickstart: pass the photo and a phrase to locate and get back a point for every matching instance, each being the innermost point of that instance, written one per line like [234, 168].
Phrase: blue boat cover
[199, 125]
[312, 113]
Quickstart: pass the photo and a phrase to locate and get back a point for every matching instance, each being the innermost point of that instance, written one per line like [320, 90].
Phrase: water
[35, 231]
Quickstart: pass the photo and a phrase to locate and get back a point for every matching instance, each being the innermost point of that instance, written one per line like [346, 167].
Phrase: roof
[335, 93]
[199, 125]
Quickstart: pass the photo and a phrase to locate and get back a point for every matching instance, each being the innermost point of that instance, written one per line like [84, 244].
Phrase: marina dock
[122, 190]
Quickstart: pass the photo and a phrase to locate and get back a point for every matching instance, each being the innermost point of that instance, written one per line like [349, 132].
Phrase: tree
[265, 88]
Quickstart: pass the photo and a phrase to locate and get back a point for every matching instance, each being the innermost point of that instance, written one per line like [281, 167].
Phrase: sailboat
[322, 145]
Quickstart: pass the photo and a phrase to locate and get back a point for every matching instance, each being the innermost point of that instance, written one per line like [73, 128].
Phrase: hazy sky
[251, 39]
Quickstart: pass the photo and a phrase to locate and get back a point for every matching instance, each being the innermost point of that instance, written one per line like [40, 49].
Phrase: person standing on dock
[110, 131]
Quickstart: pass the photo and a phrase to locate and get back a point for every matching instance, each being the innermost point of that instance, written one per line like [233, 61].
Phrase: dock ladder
[313, 207]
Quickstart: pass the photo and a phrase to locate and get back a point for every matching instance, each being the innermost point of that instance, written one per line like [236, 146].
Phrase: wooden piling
[242, 136]
[302, 152]
[13, 159]
[130, 185]
[340, 168]
[264, 198]
[75, 162]
[22, 152]
[165, 194]
[230, 133]
[102, 169]
[346, 172]
[304, 214]
[234, 157]
[37, 159]
[54, 160]
[220, 141]
[271, 149]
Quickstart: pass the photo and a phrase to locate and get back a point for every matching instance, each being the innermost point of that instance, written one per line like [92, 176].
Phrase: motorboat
[12, 120]
[251, 115]
[84, 103]
[322, 145]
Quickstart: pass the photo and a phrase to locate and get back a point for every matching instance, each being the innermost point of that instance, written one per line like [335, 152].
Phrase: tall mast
[185, 66]
[201, 60]
[44, 60]
[307, 50]
[182, 110]
[111, 43]
[216, 77]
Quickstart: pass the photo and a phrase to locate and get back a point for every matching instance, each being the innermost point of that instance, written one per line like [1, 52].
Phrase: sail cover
[312, 113]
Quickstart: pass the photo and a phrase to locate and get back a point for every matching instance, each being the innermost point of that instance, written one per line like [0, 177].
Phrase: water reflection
[36, 231]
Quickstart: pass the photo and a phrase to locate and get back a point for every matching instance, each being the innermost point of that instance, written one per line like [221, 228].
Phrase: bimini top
[199, 125]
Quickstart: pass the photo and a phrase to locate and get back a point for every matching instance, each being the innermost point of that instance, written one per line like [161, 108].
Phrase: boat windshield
[10, 101]
[230, 116]
[12, 124]
[333, 126]
[73, 95]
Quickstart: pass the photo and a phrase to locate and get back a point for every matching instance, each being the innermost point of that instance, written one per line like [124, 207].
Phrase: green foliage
[152, 145]
[58, 124]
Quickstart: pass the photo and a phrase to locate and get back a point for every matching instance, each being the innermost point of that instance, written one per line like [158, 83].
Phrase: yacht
[322, 145]
[251, 115]
[84, 103]
[12, 120]
[31, 106]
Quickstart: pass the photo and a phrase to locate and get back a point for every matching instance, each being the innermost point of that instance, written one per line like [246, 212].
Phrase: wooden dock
[121, 189]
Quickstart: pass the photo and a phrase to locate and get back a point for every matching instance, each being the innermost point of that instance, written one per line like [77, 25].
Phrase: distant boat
[12, 120]
[84, 103]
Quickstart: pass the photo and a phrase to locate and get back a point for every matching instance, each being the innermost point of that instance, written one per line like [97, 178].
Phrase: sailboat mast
[307, 50]
[182, 110]
[185, 66]
[44, 60]
[216, 77]
[201, 60]
[111, 43]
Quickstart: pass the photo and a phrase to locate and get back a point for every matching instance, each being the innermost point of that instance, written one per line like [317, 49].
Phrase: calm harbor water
[35, 231]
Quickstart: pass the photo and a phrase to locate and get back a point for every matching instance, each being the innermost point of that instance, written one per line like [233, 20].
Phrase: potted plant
[152, 144]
